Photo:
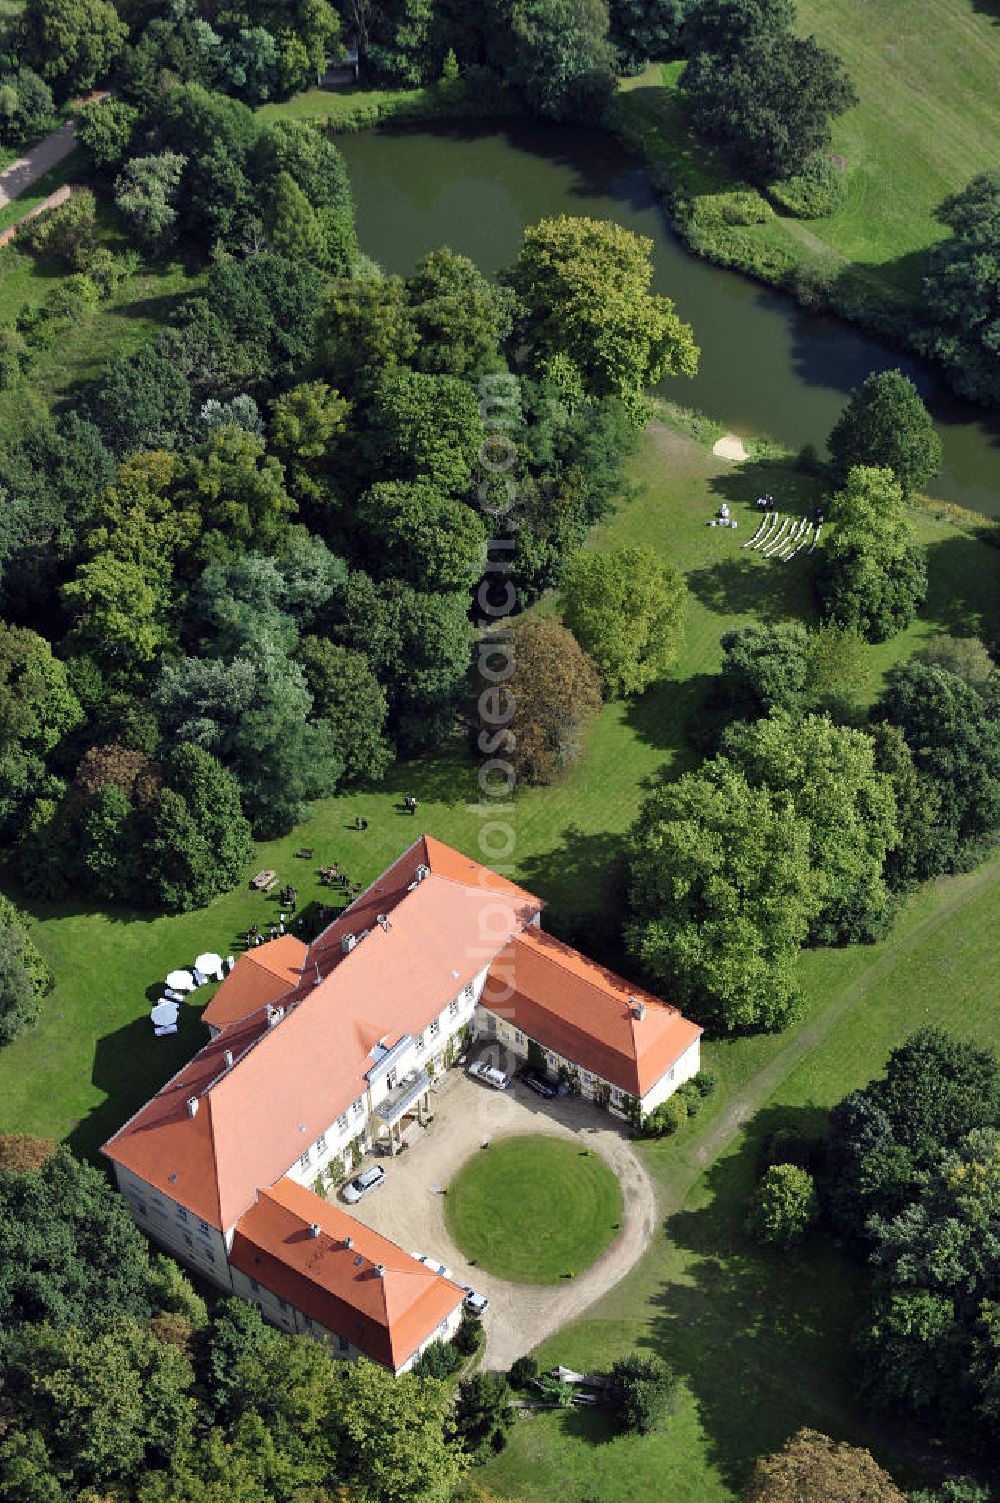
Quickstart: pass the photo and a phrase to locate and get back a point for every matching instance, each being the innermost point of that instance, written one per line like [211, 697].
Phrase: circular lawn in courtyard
[534, 1209]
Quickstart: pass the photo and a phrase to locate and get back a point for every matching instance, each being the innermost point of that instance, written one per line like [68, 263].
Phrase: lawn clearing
[927, 121]
[92, 1060]
[535, 1210]
[760, 1339]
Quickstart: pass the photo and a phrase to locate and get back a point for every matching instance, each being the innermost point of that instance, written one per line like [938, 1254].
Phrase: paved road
[20, 175]
[410, 1208]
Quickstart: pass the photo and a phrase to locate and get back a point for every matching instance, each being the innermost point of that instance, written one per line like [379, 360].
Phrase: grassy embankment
[927, 121]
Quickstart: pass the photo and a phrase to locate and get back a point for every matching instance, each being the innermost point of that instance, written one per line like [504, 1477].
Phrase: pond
[766, 367]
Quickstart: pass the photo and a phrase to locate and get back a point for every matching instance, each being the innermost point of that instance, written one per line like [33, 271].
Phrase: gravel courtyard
[409, 1207]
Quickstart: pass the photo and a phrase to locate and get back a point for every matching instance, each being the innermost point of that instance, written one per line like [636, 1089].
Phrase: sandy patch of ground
[730, 446]
[409, 1208]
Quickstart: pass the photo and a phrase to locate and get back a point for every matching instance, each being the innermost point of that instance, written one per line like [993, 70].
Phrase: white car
[356, 1189]
[489, 1075]
[477, 1303]
[434, 1266]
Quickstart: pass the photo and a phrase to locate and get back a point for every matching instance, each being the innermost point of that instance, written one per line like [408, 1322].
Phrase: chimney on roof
[380, 1270]
[348, 1243]
[638, 1008]
[314, 1229]
[347, 943]
[421, 872]
[382, 919]
[228, 1059]
[192, 1106]
[274, 1015]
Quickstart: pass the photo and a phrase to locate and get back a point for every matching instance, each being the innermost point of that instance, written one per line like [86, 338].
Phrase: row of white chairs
[783, 537]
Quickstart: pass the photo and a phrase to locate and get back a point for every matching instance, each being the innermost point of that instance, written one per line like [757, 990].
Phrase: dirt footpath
[35, 163]
[409, 1208]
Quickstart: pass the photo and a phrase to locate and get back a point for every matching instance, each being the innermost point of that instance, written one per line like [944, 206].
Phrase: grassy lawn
[761, 1340]
[928, 120]
[535, 1210]
[92, 1061]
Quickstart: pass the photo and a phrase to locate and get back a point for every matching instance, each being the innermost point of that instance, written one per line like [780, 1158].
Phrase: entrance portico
[411, 1097]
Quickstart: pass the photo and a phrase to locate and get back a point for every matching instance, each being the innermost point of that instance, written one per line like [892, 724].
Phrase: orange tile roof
[582, 1011]
[292, 1080]
[387, 1316]
[259, 976]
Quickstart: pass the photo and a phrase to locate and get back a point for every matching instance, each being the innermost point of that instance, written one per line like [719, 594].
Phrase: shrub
[664, 1120]
[742, 206]
[818, 190]
[689, 1093]
[784, 1205]
[24, 976]
[64, 233]
[705, 1081]
[523, 1372]
[439, 1360]
[14, 357]
[640, 1393]
[469, 1336]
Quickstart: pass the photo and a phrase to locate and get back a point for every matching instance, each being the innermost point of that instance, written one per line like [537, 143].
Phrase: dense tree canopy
[72, 43]
[625, 606]
[583, 286]
[914, 1170]
[953, 734]
[873, 576]
[812, 1468]
[828, 773]
[960, 306]
[547, 692]
[721, 895]
[886, 426]
[770, 100]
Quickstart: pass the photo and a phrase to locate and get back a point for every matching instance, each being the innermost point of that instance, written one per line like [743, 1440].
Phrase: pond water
[766, 365]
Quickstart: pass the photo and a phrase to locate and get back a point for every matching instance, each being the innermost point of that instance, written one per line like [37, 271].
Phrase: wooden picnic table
[264, 880]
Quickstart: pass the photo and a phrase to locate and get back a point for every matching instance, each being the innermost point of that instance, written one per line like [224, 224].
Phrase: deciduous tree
[872, 577]
[886, 426]
[626, 607]
[584, 291]
[812, 1468]
[537, 717]
[721, 895]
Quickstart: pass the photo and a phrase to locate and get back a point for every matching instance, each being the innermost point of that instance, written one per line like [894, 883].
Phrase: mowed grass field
[535, 1210]
[928, 119]
[92, 1060]
[926, 122]
[762, 1342]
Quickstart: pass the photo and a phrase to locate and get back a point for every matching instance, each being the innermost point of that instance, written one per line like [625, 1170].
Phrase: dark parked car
[541, 1084]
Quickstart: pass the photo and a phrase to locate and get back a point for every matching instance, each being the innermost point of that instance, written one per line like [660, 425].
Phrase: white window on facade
[305, 1160]
[204, 1228]
[470, 992]
[419, 1041]
[453, 1008]
[342, 1122]
[671, 1074]
[358, 1106]
[435, 1028]
[617, 1096]
[321, 1143]
[182, 1215]
[518, 1036]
